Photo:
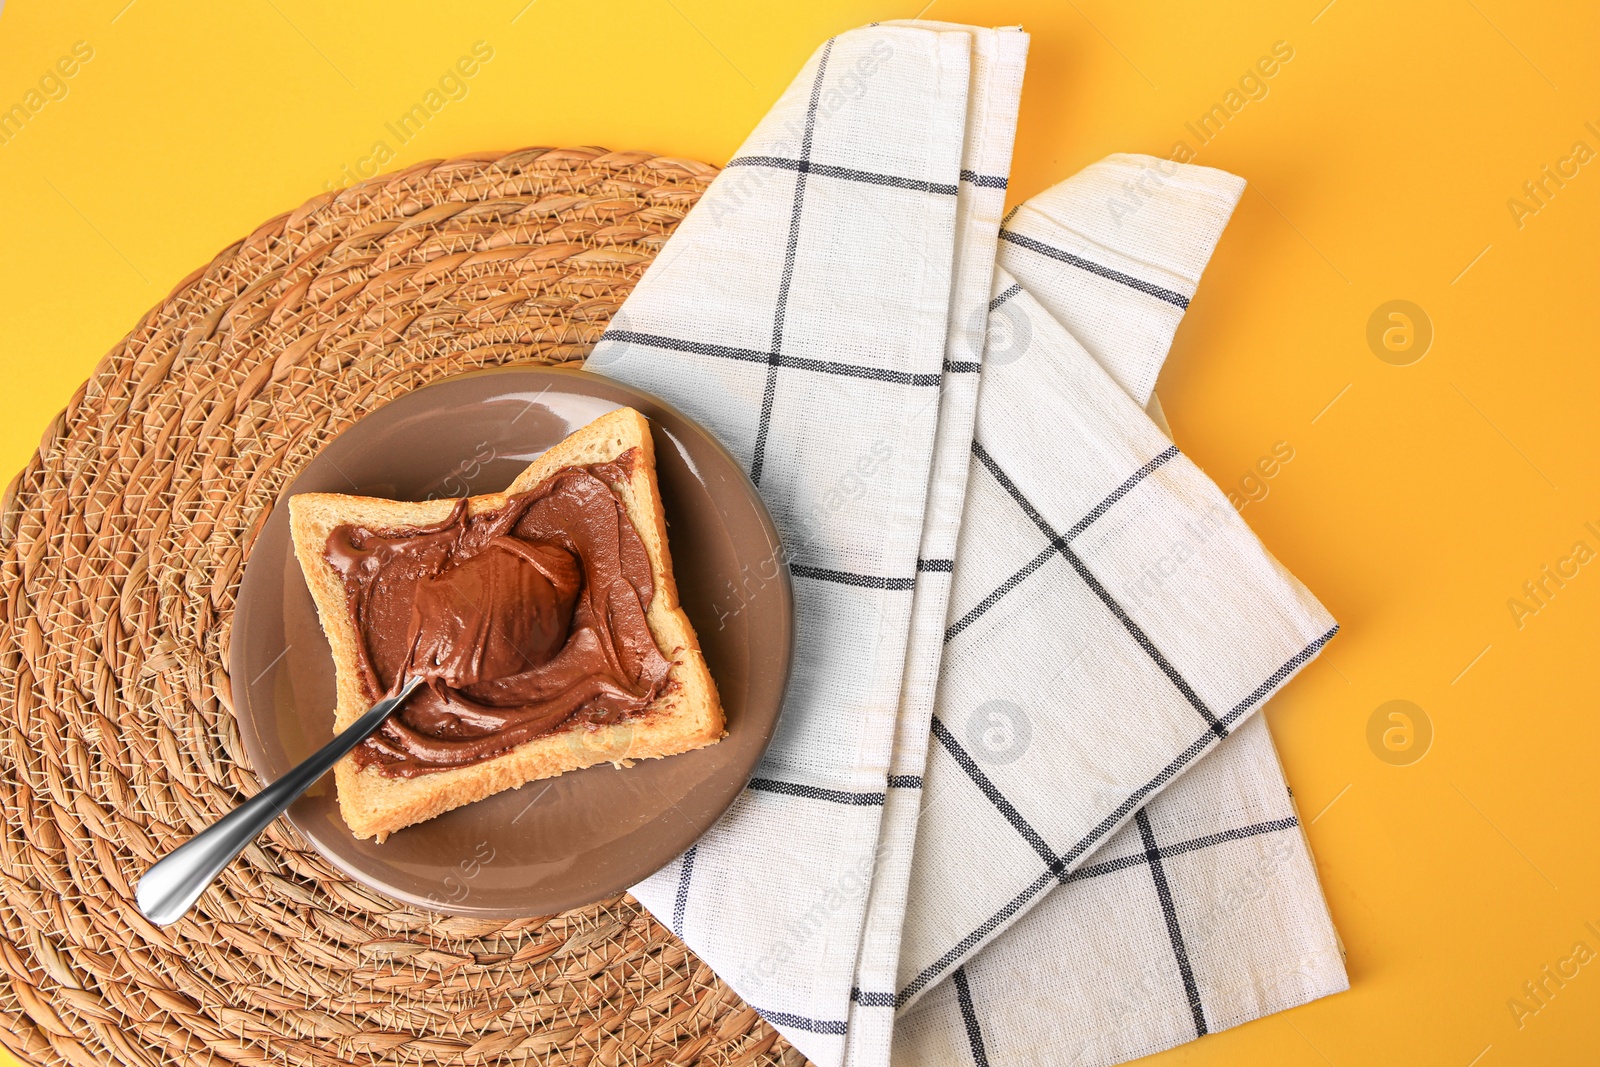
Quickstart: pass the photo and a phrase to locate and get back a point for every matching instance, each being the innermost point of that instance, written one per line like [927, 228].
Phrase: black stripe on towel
[1148, 288]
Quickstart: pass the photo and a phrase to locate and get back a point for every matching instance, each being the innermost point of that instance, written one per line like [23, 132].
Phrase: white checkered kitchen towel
[992, 546]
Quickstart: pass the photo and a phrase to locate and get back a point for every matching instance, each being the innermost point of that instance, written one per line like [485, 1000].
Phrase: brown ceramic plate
[562, 842]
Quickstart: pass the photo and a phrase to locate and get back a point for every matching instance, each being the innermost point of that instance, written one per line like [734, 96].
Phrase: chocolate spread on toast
[524, 620]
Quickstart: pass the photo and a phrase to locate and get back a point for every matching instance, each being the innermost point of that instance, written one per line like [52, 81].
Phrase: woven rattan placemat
[121, 547]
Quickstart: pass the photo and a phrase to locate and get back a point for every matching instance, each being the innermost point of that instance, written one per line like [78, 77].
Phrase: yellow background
[1380, 164]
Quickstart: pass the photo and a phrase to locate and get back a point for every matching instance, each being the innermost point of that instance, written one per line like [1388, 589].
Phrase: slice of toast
[687, 715]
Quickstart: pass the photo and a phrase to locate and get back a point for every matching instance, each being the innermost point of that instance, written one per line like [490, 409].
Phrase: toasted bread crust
[687, 715]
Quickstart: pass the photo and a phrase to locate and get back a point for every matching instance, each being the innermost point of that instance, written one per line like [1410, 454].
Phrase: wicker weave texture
[121, 547]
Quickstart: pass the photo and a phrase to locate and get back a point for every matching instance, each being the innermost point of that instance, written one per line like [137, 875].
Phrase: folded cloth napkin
[800, 312]
[992, 546]
[1168, 949]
